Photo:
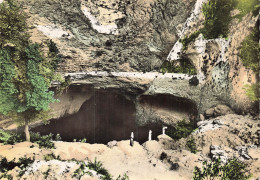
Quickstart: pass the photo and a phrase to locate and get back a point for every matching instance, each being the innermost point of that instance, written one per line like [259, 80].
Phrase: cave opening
[105, 117]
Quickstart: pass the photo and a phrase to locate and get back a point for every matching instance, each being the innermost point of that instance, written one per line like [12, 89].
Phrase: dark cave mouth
[105, 117]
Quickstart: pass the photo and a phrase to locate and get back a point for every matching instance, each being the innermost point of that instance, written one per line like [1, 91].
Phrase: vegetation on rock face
[188, 39]
[182, 130]
[184, 66]
[191, 145]
[246, 6]
[25, 73]
[232, 169]
[217, 15]
[250, 51]
[217, 18]
[253, 91]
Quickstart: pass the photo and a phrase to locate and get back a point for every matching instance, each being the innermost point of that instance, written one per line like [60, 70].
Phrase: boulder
[216, 152]
[209, 112]
[202, 118]
[112, 144]
[194, 81]
[219, 110]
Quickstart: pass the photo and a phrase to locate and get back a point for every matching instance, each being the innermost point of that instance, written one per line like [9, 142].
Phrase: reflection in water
[105, 117]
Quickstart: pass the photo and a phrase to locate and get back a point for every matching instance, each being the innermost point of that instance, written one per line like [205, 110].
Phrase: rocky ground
[224, 136]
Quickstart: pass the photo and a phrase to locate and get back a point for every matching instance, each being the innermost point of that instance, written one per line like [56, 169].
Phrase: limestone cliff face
[138, 35]
[133, 35]
[218, 61]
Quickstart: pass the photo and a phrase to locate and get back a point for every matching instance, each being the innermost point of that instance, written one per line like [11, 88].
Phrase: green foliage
[46, 173]
[53, 47]
[231, 170]
[217, 18]
[4, 136]
[45, 141]
[6, 166]
[182, 130]
[64, 85]
[57, 137]
[38, 97]
[187, 40]
[252, 91]
[78, 173]
[7, 88]
[25, 73]
[10, 138]
[124, 177]
[184, 66]
[54, 54]
[96, 166]
[191, 145]
[84, 140]
[13, 25]
[250, 51]
[246, 6]
[49, 157]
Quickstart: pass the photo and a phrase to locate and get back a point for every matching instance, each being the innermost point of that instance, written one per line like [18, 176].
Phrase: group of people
[149, 135]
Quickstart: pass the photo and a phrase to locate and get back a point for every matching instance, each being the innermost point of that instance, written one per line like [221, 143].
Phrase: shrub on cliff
[191, 145]
[252, 91]
[250, 51]
[217, 18]
[233, 169]
[183, 66]
[217, 15]
[182, 130]
[246, 6]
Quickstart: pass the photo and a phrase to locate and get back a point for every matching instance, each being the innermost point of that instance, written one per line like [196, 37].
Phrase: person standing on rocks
[132, 139]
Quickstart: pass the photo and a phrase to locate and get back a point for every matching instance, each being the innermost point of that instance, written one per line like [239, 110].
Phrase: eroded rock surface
[111, 35]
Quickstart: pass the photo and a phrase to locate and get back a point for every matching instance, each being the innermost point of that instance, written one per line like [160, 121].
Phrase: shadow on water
[105, 117]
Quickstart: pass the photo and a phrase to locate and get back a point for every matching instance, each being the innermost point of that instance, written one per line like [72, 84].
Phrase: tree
[25, 74]
[13, 27]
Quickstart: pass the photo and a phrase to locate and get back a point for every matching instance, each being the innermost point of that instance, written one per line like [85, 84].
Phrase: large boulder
[219, 110]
